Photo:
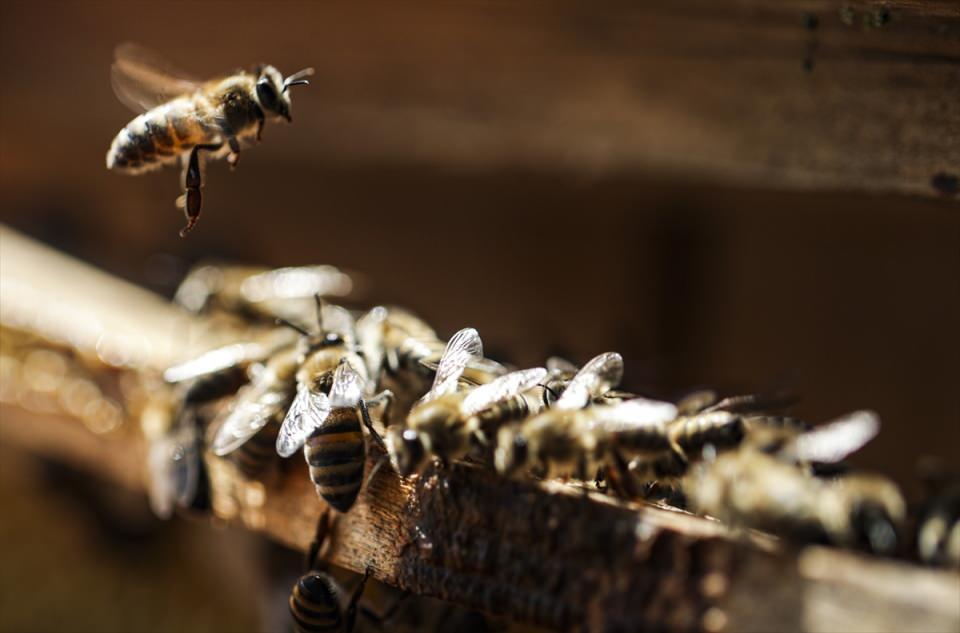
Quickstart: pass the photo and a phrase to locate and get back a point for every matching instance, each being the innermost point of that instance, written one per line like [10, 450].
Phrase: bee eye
[266, 94]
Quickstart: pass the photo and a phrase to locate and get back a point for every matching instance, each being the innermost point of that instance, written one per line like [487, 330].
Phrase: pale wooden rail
[539, 553]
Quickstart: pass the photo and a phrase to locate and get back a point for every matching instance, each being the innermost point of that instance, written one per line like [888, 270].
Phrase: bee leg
[367, 422]
[260, 121]
[323, 529]
[234, 157]
[350, 615]
[191, 201]
[620, 478]
[386, 397]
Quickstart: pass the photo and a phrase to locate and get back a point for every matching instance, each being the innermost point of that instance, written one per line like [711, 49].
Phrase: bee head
[407, 453]
[272, 89]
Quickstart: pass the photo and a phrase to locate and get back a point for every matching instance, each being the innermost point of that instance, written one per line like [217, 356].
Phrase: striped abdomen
[336, 454]
[718, 428]
[315, 604]
[160, 136]
[257, 453]
[495, 416]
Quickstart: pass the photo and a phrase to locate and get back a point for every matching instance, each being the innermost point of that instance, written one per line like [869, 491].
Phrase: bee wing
[142, 79]
[638, 412]
[370, 335]
[560, 366]
[462, 347]
[347, 386]
[296, 282]
[308, 411]
[162, 490]
[835, 440]
[338, 319]
[502, 388]
[215, 360]
[254, 408]
[595, 378]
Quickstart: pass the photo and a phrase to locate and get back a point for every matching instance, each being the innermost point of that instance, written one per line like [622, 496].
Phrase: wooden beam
[538, 552]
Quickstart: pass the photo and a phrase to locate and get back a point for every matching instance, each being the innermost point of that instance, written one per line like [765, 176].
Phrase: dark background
[477, 163]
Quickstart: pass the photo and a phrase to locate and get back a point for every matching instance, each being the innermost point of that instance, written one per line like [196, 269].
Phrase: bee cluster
[343, 385]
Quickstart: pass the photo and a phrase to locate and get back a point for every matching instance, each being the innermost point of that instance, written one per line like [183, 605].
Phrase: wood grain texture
[541, 553]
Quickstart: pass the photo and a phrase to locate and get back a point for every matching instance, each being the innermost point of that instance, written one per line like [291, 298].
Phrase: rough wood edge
[541, 553]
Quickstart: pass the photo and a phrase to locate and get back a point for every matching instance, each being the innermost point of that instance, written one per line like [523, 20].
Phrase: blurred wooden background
[732, 195]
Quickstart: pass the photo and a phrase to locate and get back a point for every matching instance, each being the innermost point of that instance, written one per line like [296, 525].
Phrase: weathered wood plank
[541, 553]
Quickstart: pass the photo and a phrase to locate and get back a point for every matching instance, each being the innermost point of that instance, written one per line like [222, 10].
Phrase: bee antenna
[297, 79]
[293, 326]
[318, 299]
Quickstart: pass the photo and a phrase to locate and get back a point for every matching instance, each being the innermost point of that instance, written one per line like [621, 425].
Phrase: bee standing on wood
[182, 117]
[444, 421]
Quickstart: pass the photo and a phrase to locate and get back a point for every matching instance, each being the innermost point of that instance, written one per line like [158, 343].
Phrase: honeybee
[756, 489]
[938, 534]
[183, 117]
[559, 374]
[329, 429]
[317, 602]
[332, 383]
[578, 442]
[575, 436]
[715, 430]
[224, 370]
[407, 352]
[444, 421]
[261, 294]
[177, 475]
[768, 484]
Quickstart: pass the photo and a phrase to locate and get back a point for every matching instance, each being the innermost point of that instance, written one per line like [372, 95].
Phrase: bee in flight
[182, 117]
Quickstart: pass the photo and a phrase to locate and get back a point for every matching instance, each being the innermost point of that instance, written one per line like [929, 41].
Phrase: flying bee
[183, 117]
[445, 421]
[328, 427]
[261, 294]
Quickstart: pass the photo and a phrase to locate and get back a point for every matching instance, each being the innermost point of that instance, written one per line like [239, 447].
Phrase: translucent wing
[502, 388]
[143, 80]
[370, 335]
[254, 408]
[216, 360]
[174, 466]
[296, 282]
[639, 412]
[347, 386]
[595, 378]
[339, 320]
[462, 347]
[832, 442]
[560, 366]
[162, 489]
[697, 401]
[308, 411]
